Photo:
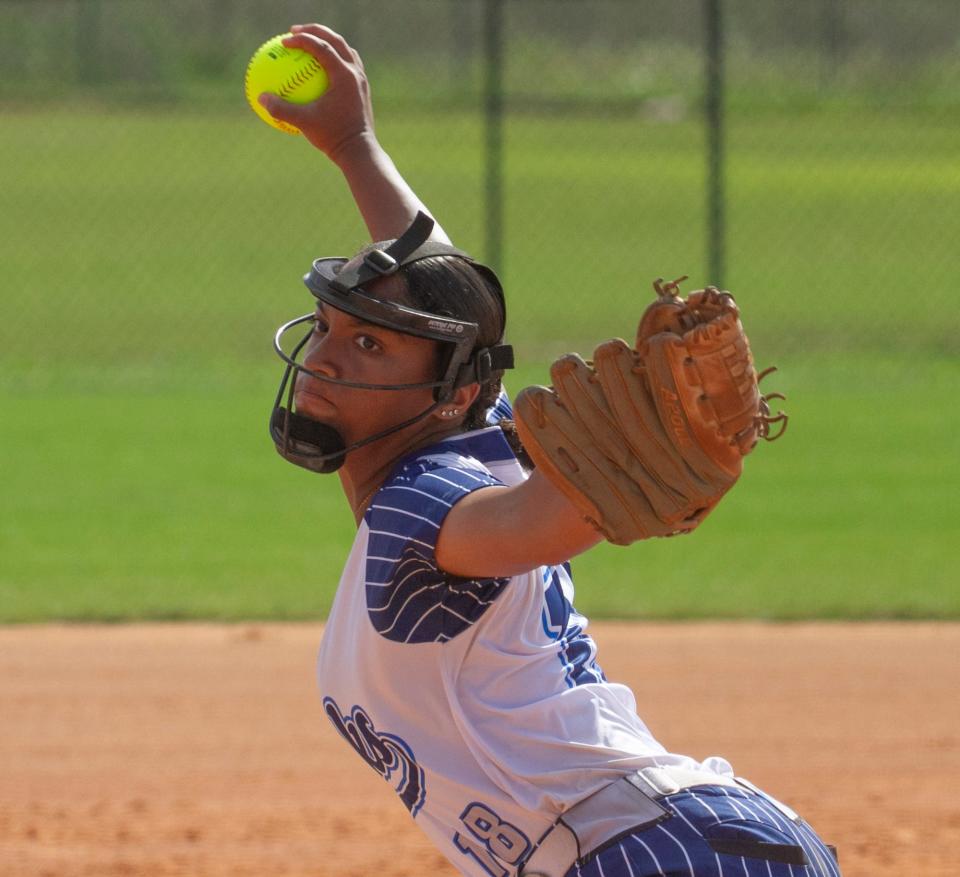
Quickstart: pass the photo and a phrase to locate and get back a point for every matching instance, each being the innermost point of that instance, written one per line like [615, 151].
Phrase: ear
[455, 408]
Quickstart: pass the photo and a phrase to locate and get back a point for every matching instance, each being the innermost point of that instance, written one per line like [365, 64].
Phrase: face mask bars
[319, 447]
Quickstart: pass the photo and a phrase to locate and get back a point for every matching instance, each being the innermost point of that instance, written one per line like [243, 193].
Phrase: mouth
[311, 403]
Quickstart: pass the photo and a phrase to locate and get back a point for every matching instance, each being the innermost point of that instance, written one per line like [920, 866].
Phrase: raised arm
[340, 124]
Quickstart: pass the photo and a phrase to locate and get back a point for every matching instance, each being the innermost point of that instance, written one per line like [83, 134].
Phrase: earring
[450, 412]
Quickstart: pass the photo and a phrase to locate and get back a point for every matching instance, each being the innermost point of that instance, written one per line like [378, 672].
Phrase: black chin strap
[318, 446]
[305, 442]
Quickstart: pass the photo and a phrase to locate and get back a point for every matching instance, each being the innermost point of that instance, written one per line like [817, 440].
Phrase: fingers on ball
[306, 36]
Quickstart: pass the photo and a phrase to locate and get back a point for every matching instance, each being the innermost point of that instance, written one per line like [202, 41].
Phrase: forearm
[385, 200]
[340, 124]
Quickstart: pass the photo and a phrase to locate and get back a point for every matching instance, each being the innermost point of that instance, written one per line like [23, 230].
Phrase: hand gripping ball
[291, 74]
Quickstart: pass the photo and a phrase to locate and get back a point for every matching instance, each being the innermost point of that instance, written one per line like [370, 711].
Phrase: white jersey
[480, 701]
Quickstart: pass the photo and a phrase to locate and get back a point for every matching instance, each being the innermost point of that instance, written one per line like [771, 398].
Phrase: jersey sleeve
[409, 598]
[500, 410]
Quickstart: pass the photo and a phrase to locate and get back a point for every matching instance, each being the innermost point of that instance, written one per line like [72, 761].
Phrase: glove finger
[621, 375]
[710, 303]
[662, 316]
[722, 363]
[682, 403]
[606, 496]
[580, 390]
[667, 313]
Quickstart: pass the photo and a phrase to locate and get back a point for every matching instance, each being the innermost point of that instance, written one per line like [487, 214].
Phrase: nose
[321, 364]
[319, 357]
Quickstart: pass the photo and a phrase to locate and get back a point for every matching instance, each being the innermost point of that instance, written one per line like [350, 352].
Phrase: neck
[366, 468]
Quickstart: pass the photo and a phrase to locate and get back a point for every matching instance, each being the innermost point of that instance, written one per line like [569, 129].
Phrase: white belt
[626, 805]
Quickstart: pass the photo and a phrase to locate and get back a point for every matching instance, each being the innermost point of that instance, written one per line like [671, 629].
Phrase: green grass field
[174, 505]
[147, 258]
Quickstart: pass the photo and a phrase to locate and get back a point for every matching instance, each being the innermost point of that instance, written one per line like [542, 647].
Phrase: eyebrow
[355, 321]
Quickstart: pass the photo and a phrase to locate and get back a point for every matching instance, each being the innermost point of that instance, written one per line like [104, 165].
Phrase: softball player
[453, 660]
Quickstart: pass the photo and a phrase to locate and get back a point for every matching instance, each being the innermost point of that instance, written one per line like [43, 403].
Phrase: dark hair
[452, 287]
[449, 286]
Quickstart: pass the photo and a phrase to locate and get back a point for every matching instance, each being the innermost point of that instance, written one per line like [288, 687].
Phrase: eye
[319, 326]
[365, 342]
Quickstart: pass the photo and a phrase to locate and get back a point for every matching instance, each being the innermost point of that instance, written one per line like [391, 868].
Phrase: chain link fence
[149, 220]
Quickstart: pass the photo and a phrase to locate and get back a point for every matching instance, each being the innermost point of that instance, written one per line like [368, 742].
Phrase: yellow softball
[292, 74]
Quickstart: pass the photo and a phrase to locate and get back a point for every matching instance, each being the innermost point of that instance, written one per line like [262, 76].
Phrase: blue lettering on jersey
[491, 841]
[386, 753]
[562, 623]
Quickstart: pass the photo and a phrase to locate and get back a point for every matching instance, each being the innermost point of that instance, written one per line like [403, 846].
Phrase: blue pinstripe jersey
[479, 700]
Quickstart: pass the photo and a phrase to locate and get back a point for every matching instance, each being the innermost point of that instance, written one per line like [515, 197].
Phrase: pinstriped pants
[716, 831]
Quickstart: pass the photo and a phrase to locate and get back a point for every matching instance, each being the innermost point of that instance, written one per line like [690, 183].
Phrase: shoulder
[429, 482]
[409, 598]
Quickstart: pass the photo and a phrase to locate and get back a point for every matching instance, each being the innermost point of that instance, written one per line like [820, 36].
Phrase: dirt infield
[201, 750]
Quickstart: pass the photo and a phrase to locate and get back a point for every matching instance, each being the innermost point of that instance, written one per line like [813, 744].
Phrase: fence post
[714, 88]
[493, 125]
